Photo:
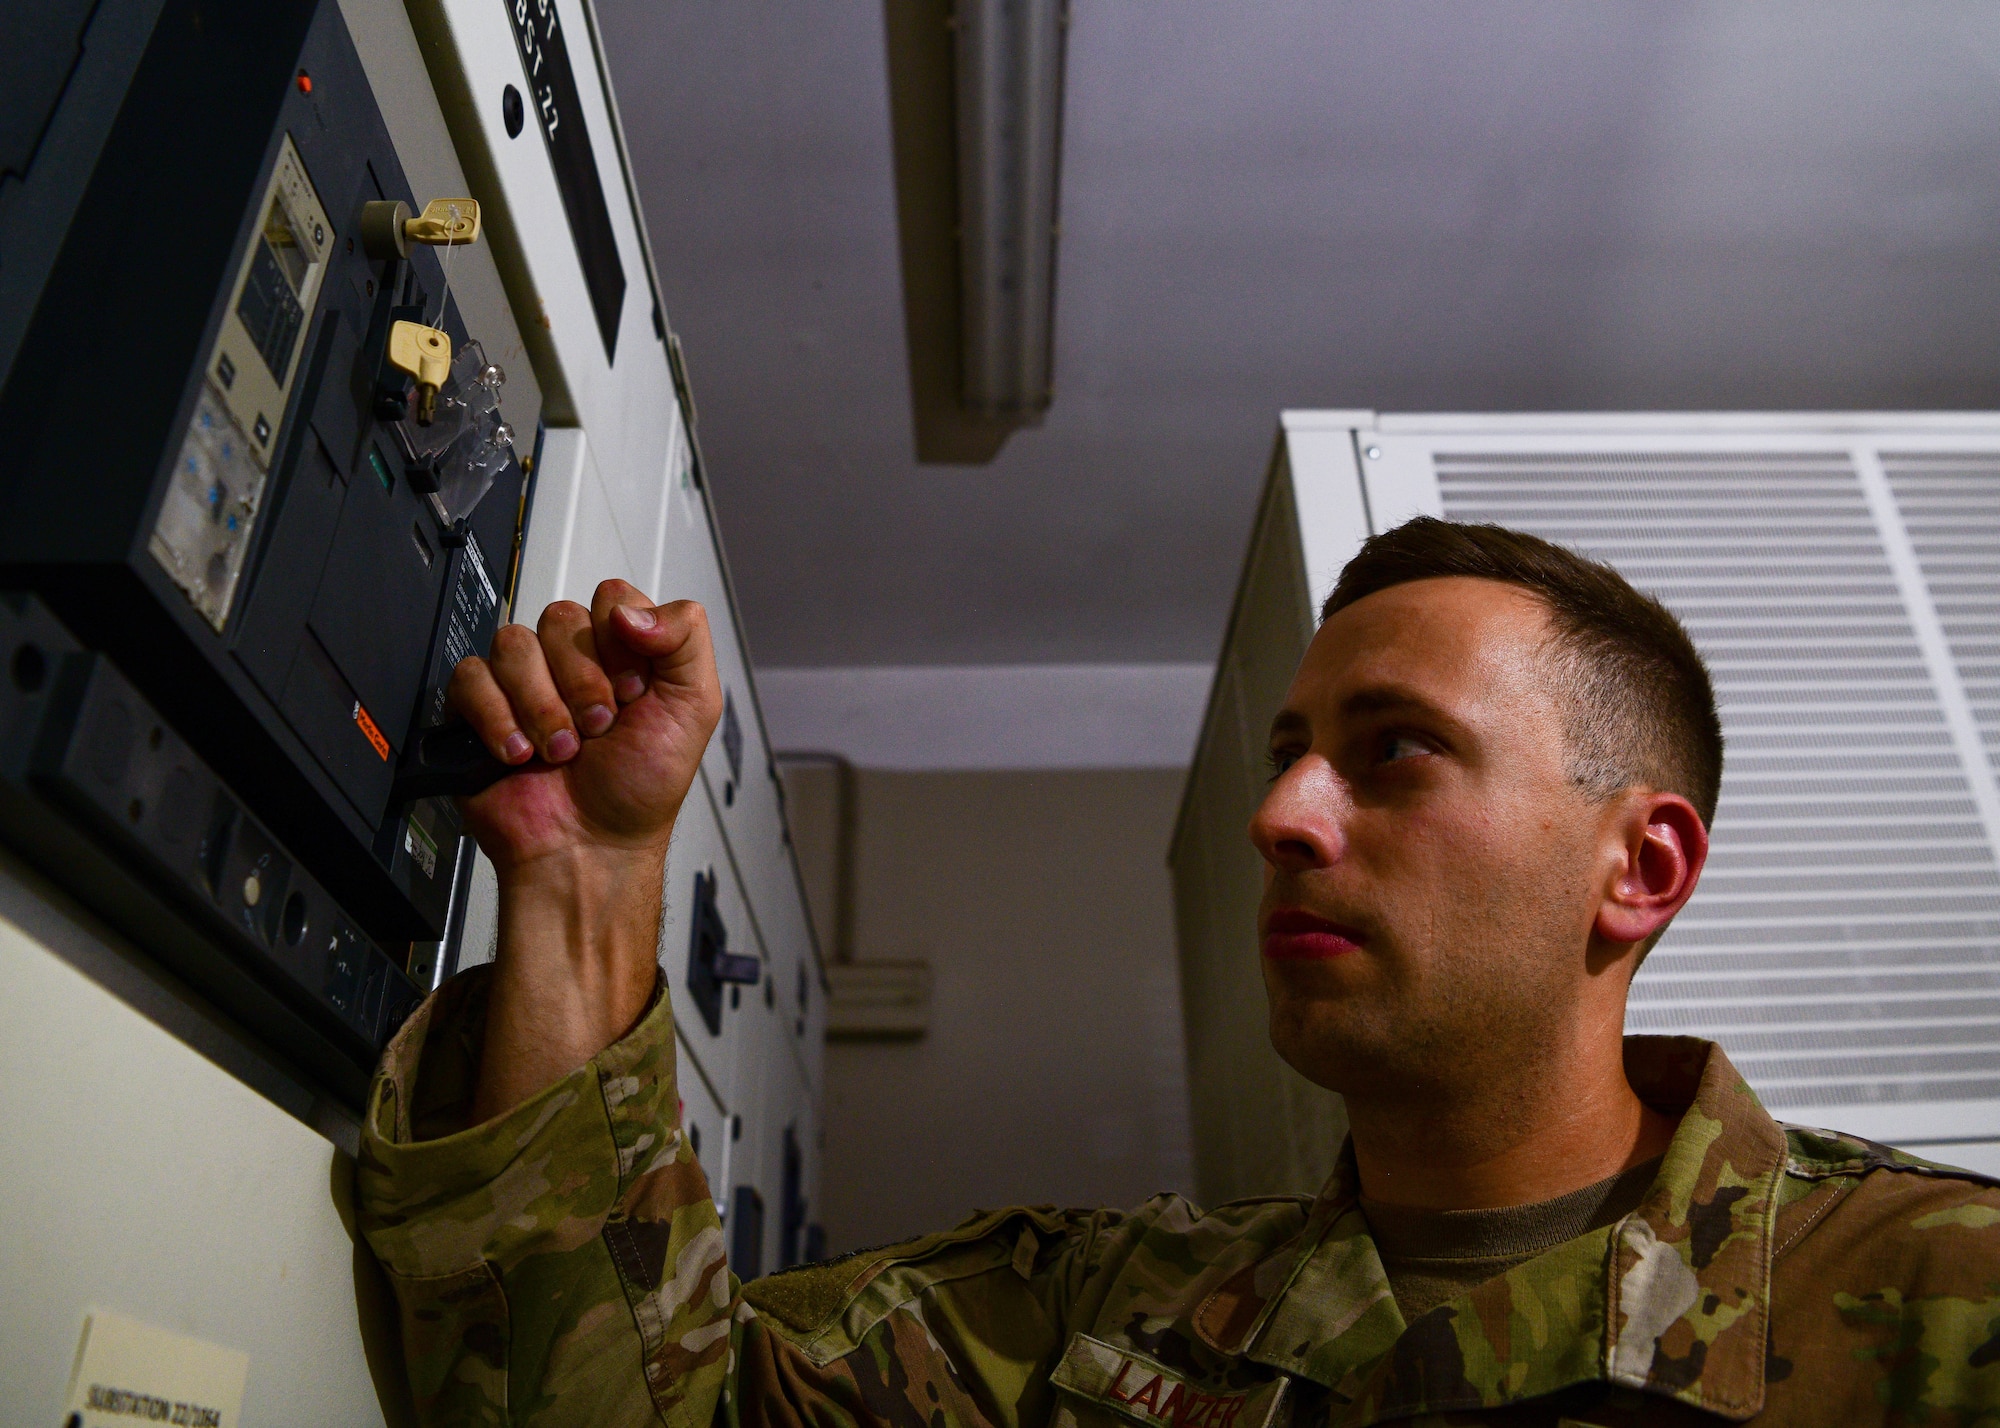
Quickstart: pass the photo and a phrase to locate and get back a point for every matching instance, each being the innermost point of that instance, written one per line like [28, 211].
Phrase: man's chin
[1332, 1048]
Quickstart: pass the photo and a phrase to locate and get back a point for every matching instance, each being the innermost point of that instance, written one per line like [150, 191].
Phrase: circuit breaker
[257, 469]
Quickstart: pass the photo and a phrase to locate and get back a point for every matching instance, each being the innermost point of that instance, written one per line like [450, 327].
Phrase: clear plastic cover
[469, 442]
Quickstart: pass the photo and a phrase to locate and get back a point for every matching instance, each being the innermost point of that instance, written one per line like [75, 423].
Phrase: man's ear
[1664, 848]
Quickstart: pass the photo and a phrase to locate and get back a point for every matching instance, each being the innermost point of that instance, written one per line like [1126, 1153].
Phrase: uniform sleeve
[563, 1265]
[956, 1330]
[560, 1264]
[1886, 1295]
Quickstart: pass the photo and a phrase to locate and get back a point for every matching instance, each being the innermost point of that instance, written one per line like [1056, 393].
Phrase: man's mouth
[1292, 935]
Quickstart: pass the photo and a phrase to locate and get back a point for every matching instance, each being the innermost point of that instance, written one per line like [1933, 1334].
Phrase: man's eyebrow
[1361, 704]
[1389, 699]
[1289, 722]
[1400, 699]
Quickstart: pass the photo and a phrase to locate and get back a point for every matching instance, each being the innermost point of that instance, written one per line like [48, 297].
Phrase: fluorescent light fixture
[1008, 67]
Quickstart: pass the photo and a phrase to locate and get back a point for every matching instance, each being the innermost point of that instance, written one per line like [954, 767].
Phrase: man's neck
[1489, 1145]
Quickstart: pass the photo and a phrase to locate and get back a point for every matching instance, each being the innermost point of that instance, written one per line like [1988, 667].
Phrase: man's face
[1432, 875]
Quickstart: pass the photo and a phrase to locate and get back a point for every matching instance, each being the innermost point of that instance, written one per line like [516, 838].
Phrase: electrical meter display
[229, 491]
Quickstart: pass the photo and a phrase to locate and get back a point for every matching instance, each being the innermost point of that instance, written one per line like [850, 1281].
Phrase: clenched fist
[618, 703]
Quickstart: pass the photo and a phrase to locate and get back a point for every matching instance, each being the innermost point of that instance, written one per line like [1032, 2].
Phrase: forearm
[574, 969]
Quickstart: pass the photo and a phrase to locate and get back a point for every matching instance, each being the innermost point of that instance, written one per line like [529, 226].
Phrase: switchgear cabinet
[1841, 574]
[245, 519]
[330, 339]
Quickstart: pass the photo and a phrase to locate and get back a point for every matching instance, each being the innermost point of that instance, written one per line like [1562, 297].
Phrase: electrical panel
[234, 482]
[329, 339]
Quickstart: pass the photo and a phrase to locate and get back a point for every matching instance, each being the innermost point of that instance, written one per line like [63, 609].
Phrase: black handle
[738, 967]
[450, 762]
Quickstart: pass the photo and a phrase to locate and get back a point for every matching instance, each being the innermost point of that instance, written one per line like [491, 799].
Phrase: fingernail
[596, 719]
[640, 616]
[518, 747]
[562, 745]
[630, 686]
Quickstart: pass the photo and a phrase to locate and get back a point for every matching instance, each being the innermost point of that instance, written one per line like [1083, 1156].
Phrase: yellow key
[445, 221]
[424, 353]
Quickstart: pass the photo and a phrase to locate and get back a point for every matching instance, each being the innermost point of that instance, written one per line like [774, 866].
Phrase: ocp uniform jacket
[563, 1264]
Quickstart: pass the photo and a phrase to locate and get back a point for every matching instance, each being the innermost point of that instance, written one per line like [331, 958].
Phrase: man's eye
[1280, 760]
[1396, 747]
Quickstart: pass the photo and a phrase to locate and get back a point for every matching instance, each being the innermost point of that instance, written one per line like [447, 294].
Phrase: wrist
[575, 965]
[577, 873]
[585, 915]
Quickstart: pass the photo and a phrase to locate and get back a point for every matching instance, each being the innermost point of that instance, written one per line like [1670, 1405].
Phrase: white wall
[144, 1179]
[1053, 1070]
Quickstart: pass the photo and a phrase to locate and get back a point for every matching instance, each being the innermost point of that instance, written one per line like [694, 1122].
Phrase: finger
[570, 648]
[674, 640]
[477, 697]
[628, 671]
[523, 674]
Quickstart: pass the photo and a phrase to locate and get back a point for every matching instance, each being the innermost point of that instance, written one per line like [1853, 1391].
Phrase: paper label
[128, 1372]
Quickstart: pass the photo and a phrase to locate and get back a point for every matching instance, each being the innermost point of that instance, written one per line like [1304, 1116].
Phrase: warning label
[368, 729]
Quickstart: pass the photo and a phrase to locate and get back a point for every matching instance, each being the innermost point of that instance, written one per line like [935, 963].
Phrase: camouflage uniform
[562, 1264]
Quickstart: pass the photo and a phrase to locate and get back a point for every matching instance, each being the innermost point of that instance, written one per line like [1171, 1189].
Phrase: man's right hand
[619, 702]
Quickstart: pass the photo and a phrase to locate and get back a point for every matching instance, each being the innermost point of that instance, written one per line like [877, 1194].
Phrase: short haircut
[1641, 707]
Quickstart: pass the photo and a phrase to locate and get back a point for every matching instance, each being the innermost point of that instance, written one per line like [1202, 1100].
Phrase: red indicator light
[305, 83]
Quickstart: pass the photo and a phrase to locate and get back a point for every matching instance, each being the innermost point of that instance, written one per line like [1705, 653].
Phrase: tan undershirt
[1435, 1255]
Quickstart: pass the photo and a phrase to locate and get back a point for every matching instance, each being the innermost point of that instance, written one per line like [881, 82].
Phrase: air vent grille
[1950, 502]
[1844, 945]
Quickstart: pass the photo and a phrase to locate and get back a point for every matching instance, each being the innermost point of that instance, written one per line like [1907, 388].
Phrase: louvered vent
[1844, 945]
[1950, 503]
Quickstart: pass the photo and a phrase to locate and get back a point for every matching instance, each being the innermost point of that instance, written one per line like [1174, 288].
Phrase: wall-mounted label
[128, 1373]
[552, 95]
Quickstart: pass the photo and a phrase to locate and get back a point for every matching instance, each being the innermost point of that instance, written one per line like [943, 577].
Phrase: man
[1492, 779]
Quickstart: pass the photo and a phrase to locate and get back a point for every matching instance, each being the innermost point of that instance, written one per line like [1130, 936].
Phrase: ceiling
[1409, 206]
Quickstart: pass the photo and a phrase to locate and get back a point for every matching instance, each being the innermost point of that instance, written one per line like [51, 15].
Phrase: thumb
[674, 639]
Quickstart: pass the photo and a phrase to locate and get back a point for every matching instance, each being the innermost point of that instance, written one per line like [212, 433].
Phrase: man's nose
[1299, 824]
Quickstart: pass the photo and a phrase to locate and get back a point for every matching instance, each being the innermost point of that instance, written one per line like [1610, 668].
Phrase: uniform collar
[1673, 1300]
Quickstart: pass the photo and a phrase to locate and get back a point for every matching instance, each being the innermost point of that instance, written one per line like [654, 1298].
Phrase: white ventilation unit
[1842, 575]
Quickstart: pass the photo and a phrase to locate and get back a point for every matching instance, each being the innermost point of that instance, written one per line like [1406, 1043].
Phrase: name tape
[1152, 1394]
